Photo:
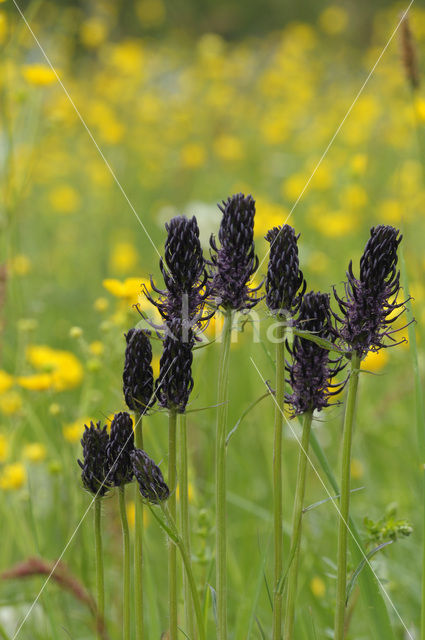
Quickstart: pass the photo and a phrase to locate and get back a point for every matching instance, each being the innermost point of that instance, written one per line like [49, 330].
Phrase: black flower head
[175, 381]
[184, 272]
[371, 300]
[94, 466]
[235, 262]
[285, 285]
[311, 370]
[138, 375]
[120, 446]
[149, 477]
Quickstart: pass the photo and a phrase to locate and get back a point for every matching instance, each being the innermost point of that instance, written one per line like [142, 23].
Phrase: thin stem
[126, 564]
[100, 588]
[138, 539]
[172, 556]
[345, 497]
[277, 480]
[184, 516]
[220, 461]
[296, 528]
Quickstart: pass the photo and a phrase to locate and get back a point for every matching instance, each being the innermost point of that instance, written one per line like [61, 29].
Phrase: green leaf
[363, 563]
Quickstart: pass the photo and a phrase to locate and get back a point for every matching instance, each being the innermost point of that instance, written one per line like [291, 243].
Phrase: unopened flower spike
[235, 262]
[312, 370]
[119, 448]
[137, 374]
[149, 477]
[95, 466]
[285, 285]
[370, 304]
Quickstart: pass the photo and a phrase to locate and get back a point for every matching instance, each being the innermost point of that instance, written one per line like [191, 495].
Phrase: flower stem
[220, 461]
[126, 564]
[184, 515]
[100, 588]
[277, 480]
[296, 528]
[172, 556]
[345, 496]
[138, 539]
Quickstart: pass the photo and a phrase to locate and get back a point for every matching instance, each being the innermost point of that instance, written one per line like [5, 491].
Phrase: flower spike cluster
[137, 374]
[175, 381]
[312, 369]
[371, 300]
[94, 466]
[285, 285]
[235, 262]
[120, 445]
[149, 477]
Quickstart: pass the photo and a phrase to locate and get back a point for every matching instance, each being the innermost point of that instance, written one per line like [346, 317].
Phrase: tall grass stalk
[220, 477]
[277, 481]
[172, 556]
[138, 539]
[100, 582]
[126, 564]
[296, 527]
[345, 497]
[184, 518]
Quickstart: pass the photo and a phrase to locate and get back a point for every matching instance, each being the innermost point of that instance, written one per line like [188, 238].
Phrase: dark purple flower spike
[149, 477]
[371, 299]
[175, 381]
[137, 374]
[119, 448]
[95, 466]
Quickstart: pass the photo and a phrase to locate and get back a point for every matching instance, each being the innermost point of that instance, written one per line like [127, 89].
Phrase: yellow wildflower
[73, 431]
[353, 196]
[293, 186]
[75, 332]
[193, 156]
[390, 211]
[3, 27]
[13, 476]
[375, 360]
[336, 225]
[6, 381]
[124, 257]
[318, 587]
[359, 164]
[39, 75]
[97, 348]
[269, 215]
[65, 368]
[20, 265]
[35, 452]
[10, 403]
[101, 304]
[420, 109]
[55, 409]
[64, 199]
[4, 447]
[93, 33]
[130, 289]
[36, 382]
[131, 513]
[228, 148]
[357, 469]
[333, 20]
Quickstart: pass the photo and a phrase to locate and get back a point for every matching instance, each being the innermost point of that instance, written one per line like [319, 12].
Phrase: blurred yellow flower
[390, 211]
[357, 469]
[96, 348]
[293, 186]
[6, 381]
[64, 367]
[318, 262]
[64, 199]
[336, 225]
[38, 75]
[375, 360]
[20, 265]
[353, 196]
[101, 304]
[35, 452]
[13, 476]
[93, 33]
[128, 56]
[55, 409]
[228, 148]
[268, 215]
[4, 447]
[36, 382]
[75, 332]
[10, 403]
[190, 492]
[359, 164]
[420, 109]
[130, 289]
[131, 513]
[3, 27]
[322, 178]
[151, 13]
[124, 258]
[333, 20]
[318, 587]
[193, 156]
[73, 431]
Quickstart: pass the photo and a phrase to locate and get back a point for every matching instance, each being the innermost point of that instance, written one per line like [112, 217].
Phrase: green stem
[100, 588]
[345, 497]
[296, 527]
[279, 418]
[126, 564]
[172, 556]
[138, 539]
[220, 461]
[184, 515]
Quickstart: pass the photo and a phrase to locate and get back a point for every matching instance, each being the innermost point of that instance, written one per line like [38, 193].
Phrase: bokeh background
[187, 103]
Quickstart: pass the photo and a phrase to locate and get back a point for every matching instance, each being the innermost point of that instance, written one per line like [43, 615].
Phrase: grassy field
[143, 129]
